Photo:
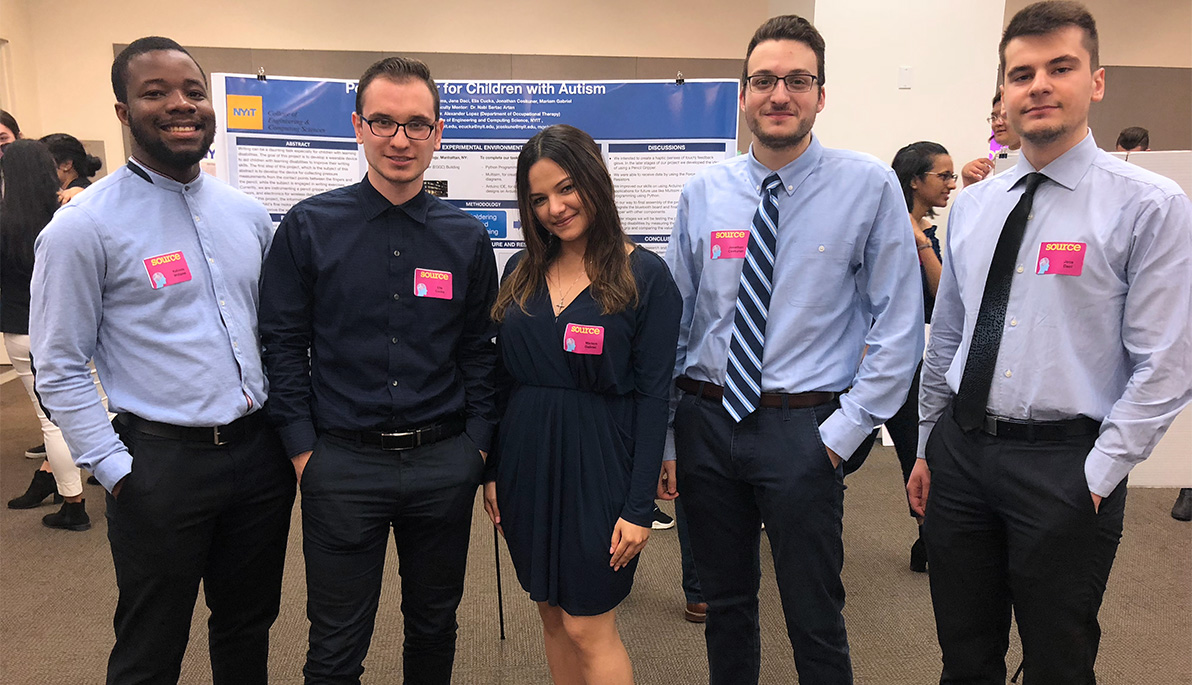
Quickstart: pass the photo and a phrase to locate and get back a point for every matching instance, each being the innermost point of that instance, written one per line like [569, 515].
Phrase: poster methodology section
[284, 139]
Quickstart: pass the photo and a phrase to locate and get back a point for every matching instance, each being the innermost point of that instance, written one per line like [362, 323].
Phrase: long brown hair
[605, 257]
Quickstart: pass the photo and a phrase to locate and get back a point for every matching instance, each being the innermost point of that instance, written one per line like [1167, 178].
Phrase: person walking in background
[587, 325]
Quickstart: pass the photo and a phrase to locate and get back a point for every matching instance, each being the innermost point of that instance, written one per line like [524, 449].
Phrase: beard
[1046, 136]
[155, 147]
[779, 142]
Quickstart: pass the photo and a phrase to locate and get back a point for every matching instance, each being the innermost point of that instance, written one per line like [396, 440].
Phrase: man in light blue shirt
[837, 274]
[1039, 395]
[153, 272]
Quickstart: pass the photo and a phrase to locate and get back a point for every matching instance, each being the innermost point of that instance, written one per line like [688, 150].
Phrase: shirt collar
[165, 182]
[792, 174]
[375, 204]
[1067, 169]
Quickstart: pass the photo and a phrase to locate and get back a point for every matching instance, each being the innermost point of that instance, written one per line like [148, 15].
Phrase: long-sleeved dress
[580, 443]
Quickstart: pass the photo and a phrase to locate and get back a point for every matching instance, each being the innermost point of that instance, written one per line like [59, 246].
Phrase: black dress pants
[193, 511]
[1010, 525]
[352, 497]
[771, 467]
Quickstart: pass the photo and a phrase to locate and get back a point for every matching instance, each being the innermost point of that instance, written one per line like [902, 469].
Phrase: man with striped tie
[791, 260]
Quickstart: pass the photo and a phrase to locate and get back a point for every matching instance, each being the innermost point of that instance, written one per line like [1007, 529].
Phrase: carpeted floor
[57, 594]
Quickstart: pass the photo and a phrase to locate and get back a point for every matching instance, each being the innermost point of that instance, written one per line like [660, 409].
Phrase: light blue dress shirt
[186, 353]
[1113, 343]
[846, 275]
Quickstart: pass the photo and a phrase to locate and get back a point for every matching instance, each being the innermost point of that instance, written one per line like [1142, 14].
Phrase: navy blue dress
[580, 443]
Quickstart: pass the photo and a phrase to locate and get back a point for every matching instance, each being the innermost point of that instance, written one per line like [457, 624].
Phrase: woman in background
[9, 131]
[925, 172]
[75, 166]
[27, 174]
[589, 325]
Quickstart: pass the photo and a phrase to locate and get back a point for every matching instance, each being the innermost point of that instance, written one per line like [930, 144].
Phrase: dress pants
[352, 496]
[1011, 524]
[192, 511]
[771, 467]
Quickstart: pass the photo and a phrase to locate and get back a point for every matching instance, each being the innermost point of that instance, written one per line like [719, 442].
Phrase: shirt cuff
[112, 468]
[1104, 473]
[841, 435]
[298, 437]
[481, 433]
[668, 446]
[925, 428]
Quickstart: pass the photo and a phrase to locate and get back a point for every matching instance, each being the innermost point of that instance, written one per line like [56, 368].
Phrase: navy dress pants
[191, 511]
[771, 467]
[1010, 525]
[353, 497]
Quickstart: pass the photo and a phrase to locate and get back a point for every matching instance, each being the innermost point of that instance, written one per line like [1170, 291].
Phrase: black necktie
[973, 397]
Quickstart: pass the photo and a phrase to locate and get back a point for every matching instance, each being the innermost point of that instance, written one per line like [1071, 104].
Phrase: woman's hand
[628, 540]
[490, 505]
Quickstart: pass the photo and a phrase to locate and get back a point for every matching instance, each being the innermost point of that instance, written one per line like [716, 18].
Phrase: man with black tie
[1060, 352]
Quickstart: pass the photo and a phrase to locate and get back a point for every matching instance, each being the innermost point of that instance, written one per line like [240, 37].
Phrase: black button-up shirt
[375, 316]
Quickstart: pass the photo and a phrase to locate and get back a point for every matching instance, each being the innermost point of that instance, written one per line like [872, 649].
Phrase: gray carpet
[57, 595]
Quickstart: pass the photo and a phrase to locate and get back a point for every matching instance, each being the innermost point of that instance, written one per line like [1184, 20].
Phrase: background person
[1133, 139]
[75, 165]
[924, 171]
[587, 325]
[980, 168]
[29, 202]
[9, 130]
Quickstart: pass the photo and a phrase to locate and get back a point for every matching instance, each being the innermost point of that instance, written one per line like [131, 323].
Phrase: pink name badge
[431, 283]
[581, 339]
[1060, 259]
[729, 244]
[167, 269]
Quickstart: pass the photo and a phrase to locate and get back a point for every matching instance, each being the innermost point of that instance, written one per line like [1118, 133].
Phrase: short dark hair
[9, 122]
[997, 97]
[1134, 138]
[139, 47]
[913, 162]
[1046, 17]
[397, 69]
[787, 27]
[66, 147]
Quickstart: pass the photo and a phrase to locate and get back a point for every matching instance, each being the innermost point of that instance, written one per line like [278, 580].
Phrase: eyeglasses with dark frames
[797, 82]
[387, 128]
[945, 176]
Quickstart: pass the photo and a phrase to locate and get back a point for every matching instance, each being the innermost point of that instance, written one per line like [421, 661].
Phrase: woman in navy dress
[589, 325]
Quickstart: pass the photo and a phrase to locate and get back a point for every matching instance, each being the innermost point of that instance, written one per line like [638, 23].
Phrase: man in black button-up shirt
[375, 306]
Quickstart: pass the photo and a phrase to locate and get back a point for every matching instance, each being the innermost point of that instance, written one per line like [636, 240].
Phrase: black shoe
[38, 452]
[92, 480]
[1182, 511]
[919, 556]
[72, 516]
[43, 486]
[661, 520]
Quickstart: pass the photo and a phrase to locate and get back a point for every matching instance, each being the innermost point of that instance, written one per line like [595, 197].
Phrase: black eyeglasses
[795, 83]
[945, 176]
[387, 128]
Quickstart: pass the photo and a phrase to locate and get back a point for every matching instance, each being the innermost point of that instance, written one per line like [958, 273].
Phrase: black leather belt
[405, 439]
[1040, 431]
[770, 400]
[212, 435]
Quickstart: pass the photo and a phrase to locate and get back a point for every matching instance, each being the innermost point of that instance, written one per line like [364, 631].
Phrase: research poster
[284, 139]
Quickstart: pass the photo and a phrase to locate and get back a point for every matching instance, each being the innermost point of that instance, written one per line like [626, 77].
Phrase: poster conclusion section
[284, 139]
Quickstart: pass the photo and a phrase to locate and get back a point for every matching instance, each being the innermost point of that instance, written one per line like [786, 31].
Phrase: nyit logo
[244, 111]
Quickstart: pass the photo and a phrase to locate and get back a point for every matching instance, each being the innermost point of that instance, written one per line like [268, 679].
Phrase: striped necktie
[743, 375]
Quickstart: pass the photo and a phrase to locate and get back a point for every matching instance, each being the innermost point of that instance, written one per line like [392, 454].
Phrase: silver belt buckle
[218, 438]
[403, 434]
[990, 425]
